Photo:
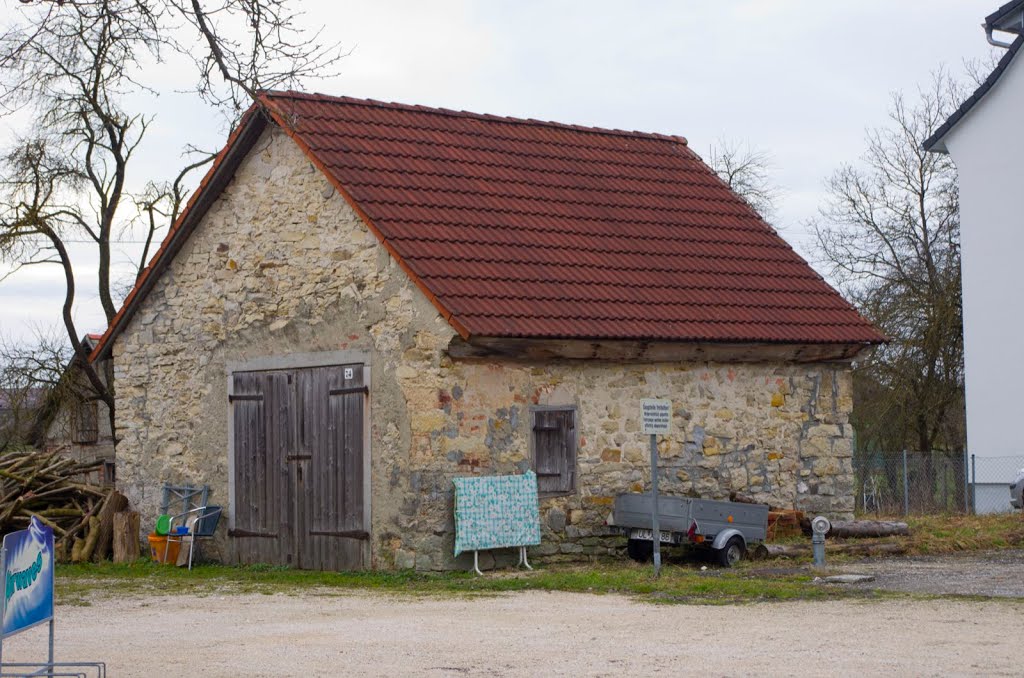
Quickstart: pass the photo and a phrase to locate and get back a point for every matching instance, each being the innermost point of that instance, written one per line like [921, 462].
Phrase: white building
[984, 139]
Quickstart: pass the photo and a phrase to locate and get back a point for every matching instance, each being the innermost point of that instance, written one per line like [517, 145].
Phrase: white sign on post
[655, 416]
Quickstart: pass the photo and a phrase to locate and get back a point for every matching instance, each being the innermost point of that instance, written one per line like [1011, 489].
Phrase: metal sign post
[655, 418]
[655, 527]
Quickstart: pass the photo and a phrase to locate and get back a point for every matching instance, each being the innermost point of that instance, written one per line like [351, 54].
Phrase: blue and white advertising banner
[28, 578]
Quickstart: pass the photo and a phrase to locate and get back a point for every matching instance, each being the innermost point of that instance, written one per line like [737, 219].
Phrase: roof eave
[1007, 18]
[651, 350]
[936, 142]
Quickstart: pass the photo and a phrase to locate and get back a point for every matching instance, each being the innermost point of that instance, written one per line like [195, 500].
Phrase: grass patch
[948, 534]
[678, 583]
[931, 535]
[681, 582]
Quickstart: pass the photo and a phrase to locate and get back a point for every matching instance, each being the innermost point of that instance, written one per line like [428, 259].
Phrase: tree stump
[114, 503]
[126, 536]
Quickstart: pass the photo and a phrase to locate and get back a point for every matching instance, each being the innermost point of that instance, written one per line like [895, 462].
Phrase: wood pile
[51, 488]
[781, 522]
[784, 523]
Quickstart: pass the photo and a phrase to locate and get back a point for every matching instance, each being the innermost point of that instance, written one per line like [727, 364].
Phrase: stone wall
[779, 433]
[282, 265]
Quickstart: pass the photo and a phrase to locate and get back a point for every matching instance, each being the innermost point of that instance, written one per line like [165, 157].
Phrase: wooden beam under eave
[645, 351]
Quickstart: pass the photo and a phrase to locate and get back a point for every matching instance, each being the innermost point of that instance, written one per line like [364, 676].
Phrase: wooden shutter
[85, 422]
[554, 435]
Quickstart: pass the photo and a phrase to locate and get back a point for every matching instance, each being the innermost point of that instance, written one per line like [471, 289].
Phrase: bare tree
[746, 170]
[74, 66]
[889, 234]
[33, 218]
[30, 385]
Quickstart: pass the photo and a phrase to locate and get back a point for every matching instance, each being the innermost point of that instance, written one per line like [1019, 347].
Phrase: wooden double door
[298, 472]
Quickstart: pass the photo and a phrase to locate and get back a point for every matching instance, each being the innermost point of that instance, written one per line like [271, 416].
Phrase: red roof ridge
[394, 105]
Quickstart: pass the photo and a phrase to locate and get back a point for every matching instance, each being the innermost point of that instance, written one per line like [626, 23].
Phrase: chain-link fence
[901, 483]
[893, 483]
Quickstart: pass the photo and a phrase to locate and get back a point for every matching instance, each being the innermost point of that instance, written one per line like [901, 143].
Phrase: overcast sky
[799, 79]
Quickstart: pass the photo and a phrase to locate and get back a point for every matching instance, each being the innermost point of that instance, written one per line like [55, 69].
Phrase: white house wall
[987, 147]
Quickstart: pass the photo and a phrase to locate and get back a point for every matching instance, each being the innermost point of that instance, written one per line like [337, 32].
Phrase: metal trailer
[725, 527]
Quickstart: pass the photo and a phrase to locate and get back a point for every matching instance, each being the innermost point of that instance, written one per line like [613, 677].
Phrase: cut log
[759, 552]
[91, 538]
[126, 536]
[45, 521]
[863, 549]
[868, 528]
[786, 550]
[114, 503]
[868, 549]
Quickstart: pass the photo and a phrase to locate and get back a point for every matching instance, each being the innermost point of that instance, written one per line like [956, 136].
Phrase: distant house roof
[935, 141]
[523, 228]
[1007, 18]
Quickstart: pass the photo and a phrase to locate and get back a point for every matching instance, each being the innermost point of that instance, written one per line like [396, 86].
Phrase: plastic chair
[197, 523]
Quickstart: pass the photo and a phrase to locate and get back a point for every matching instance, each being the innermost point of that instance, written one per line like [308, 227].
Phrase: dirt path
[529, 634]
[992, 573]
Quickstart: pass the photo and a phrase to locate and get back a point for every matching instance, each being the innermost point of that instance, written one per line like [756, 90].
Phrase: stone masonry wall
[282, 265]
[779, 433]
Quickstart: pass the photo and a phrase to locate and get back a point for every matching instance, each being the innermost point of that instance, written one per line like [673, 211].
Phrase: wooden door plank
[262, 438]
[334, 502]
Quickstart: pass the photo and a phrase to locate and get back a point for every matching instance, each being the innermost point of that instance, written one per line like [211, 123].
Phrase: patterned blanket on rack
[496, 511]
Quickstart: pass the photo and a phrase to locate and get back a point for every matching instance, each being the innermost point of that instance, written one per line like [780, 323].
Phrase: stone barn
[364, 300]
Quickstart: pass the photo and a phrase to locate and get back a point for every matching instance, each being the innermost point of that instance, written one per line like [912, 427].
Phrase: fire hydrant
[819, 527]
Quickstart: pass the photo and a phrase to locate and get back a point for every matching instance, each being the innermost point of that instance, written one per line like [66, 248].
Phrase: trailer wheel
[731, 553]
[640, 550]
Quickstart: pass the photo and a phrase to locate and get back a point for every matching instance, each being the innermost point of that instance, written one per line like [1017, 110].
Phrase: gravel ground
[992, 573]
[529, 634]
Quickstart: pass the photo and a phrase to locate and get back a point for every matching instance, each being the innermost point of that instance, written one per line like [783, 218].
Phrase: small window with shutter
[85, 423]
[554, 449]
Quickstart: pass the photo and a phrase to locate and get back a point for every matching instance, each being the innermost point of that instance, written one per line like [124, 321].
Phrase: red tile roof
[523, 228]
